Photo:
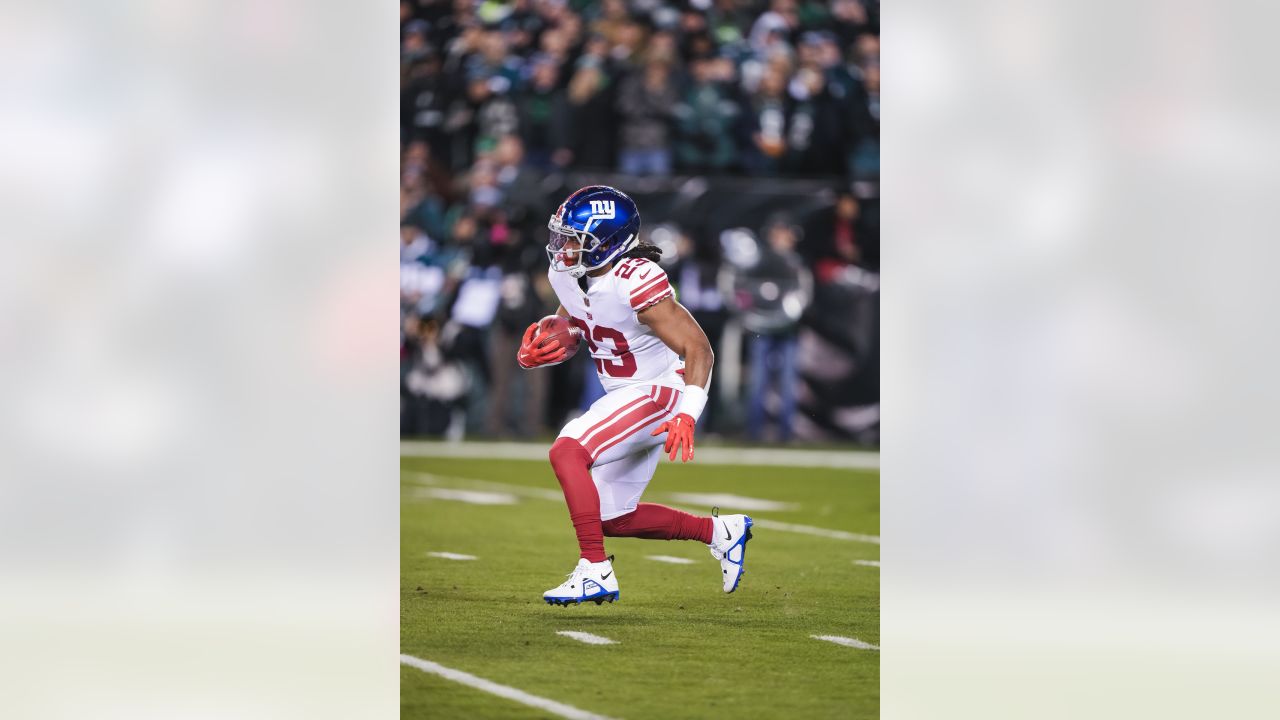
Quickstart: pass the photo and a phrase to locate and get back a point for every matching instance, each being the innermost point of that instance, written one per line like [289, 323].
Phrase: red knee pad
[567, 453]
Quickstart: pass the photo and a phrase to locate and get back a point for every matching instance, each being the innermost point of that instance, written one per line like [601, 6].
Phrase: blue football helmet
[604, 221]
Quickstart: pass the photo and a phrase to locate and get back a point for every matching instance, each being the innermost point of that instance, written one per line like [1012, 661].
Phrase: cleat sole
[598, 599]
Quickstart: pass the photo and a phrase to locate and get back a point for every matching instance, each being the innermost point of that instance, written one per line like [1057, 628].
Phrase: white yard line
[452, 556]
[587, 638]
[847, 642]
[845, 459]
[868, 563]
[556, 496]
[471, 497]
[478, 484]
[670, 559]
[820, 532]
[493, 688]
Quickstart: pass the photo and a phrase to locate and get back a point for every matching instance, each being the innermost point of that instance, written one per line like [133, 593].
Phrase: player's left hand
[536, 349]
[679, 430]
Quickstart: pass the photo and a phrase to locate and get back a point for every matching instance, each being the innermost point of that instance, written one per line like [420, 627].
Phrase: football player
[654, 362]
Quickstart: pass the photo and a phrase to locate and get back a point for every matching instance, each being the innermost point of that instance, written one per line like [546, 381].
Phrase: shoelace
[577, 571]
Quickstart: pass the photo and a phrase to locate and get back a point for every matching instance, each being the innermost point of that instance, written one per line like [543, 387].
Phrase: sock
[659, 522]
[572, 465]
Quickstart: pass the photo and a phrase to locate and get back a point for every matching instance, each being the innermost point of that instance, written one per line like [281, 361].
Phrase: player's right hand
[679, 432]
[538, 349]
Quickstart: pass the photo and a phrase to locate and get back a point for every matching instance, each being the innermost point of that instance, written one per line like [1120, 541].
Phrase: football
[561, 329]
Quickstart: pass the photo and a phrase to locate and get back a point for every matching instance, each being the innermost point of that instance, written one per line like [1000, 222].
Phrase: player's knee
[568, 453]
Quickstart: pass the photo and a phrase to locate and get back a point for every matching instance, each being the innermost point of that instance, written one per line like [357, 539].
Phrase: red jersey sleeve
[643, 282]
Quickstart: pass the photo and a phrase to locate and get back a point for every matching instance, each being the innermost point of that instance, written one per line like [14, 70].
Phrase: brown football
[561, 329]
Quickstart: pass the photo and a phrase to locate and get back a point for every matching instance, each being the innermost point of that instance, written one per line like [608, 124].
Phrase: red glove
[533, 352]
[679, 432]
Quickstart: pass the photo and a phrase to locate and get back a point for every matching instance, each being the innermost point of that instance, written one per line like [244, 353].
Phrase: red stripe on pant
[587, 436]
[659, 522]
[675, 399]
[666, 400]
[624, 426]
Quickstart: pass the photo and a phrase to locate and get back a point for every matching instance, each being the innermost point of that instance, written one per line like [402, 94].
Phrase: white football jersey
[625, 351]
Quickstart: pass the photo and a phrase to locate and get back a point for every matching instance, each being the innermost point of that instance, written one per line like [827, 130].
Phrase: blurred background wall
[748, 132]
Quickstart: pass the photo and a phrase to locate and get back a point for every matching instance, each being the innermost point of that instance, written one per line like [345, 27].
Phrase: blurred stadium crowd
[508, 106]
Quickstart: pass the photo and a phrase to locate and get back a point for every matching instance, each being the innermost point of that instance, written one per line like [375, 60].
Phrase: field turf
[684, 649]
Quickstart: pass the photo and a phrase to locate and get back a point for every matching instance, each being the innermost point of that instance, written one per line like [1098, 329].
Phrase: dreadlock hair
[645, 251]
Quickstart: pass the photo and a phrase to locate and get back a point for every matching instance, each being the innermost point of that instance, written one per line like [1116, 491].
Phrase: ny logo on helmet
[600, 210]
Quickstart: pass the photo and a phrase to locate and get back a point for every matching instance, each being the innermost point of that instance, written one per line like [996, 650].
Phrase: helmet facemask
[557, 252]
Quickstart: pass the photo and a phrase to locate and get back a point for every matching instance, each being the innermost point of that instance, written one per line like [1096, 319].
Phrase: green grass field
[684, 649]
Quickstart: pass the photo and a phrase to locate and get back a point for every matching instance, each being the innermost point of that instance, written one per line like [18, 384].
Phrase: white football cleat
[588, 581]
[731, 534]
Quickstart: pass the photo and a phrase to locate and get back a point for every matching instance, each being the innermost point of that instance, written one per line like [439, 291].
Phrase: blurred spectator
[775, 27]
[424, 102]
[822, 52]
[707, 119]
[591, 119]
[422, 197]
[486, 114]
[422, 274]
[413, 44]
[518, 182]
[866, 159]
[867, 50]
[626, 40]
[814, 126]
[613, 21]
[471, 317]
[768, 124]
[433, 386]
[544, 114]
[849, 18]
[518, 398]
[421, 287]
[646, 100]
[693, 270]
[781, 291]
[841, 239]
[414, 243]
